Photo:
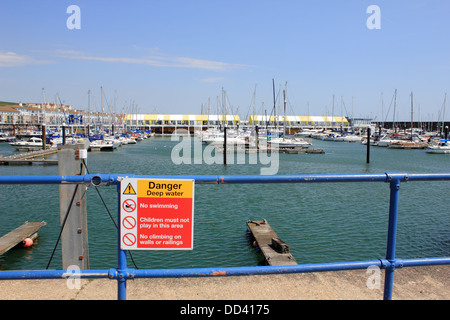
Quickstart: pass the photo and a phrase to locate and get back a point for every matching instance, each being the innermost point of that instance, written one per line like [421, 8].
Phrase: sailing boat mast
[411, 114]
[284, 122]
[101, 103]
[88, 115]
[43, 105]
[285, 102]
[209, 109]
[393, 120]
[224, 107]
[254, 102]
[113, 124]
[443, 112]
[274, 106]
[382, 110]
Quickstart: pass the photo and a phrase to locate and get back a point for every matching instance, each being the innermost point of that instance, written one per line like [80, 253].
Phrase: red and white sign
[157, 214]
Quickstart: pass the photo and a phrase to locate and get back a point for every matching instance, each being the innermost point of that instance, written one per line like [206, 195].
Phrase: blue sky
[174, 56]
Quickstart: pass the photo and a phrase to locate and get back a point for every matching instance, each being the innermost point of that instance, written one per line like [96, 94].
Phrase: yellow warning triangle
[129, 189]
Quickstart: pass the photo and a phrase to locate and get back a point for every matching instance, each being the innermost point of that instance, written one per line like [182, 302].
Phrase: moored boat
[408, 144]
[441, 147]
[104, 145]
[34, 143]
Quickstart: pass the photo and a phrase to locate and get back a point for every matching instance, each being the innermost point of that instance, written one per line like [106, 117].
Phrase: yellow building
[168, 123]
[180, 119]
[299, 121]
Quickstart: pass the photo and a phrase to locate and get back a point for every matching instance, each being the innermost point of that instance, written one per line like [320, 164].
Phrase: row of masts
[114, 119]
[90, 119]
[441, 116]
[394, 125]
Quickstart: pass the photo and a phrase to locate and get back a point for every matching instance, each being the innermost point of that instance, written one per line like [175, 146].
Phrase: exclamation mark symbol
[129, 189]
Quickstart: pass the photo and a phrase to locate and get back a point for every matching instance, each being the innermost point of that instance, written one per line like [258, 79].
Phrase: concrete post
[72, 205]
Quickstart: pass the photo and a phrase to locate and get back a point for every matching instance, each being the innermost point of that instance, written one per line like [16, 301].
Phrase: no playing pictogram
[129, 222]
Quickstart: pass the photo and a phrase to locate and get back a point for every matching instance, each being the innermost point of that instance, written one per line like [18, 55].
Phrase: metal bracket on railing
[100, 179]
[128, 274]
[391, 264]
[396, 176]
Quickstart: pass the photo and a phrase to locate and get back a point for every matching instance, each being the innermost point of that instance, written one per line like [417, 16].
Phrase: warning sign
[129, 189]
[157, 214]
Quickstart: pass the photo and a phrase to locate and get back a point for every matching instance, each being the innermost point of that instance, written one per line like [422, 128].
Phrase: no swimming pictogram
[129, 205]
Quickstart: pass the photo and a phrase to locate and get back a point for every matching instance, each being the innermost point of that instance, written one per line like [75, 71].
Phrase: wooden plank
[28, 162]
[16, 236]
[28, 158]
[276, 252]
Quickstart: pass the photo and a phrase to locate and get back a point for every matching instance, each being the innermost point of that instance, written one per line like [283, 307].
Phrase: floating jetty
[275, 251]
[294, 150]
[29, 158]
[18, 235]
[289, 150]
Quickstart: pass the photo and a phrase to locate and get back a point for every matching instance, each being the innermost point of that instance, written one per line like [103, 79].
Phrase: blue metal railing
[122, 273]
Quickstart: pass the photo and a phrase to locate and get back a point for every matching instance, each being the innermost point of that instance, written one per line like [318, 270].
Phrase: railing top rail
[110, 179]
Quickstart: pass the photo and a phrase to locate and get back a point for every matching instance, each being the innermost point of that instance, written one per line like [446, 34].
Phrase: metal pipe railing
[123, 273]
[108, 179]
[130, 273]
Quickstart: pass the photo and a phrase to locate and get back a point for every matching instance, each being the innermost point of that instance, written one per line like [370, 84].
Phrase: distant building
[296, 122]
[169, 123]
[362, 123]
[56, 115]
[52, 114]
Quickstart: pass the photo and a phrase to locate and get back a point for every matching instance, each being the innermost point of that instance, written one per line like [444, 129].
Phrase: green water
[324, 222]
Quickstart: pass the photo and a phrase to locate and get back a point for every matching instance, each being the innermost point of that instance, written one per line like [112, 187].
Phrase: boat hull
[438, 151]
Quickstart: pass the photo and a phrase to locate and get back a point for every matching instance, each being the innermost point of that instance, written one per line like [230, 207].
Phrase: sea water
[321, 222]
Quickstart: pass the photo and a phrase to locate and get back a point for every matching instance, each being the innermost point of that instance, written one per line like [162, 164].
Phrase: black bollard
[63, 135]
[225, 144]
[44, 137]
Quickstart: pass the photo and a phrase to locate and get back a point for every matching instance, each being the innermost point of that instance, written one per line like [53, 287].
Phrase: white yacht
[441, 147]
[32, 144]
[104, 145]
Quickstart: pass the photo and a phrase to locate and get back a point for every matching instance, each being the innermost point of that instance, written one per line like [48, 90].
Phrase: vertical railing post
[392, 234]
[122, 260]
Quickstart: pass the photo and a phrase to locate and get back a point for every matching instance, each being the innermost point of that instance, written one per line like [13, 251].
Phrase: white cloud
[216, 79]
[12, 59]
[155, 61]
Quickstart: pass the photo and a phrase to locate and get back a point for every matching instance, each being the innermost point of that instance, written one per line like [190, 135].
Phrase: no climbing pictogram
[129, 239]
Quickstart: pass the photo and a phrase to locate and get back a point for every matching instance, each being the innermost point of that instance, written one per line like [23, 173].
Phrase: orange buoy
[27, 242]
